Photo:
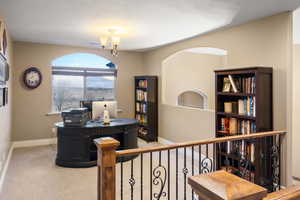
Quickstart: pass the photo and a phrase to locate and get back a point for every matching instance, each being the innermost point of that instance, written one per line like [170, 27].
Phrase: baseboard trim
[164, 141]
[189, 152]
[33, 143]
[4, 171]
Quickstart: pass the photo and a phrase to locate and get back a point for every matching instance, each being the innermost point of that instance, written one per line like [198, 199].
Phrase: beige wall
[31, 106]
[266, 42]
[181, 124]
[6, 114]
[186, 71]
[296, 111]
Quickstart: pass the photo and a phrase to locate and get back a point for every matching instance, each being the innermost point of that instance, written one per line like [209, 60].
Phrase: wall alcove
[193, 98]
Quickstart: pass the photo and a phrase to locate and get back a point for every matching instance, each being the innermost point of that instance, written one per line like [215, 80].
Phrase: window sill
[59, 113]
[53, 113]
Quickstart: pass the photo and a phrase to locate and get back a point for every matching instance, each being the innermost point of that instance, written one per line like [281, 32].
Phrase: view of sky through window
[81, 60]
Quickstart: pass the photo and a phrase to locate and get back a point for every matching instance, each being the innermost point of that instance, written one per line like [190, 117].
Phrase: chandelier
[111, 41]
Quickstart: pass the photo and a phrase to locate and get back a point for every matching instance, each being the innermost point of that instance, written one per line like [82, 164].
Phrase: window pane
[67, 92]
[100, 88]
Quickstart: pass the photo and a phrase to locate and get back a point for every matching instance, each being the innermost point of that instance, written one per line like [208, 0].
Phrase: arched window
[81, 76]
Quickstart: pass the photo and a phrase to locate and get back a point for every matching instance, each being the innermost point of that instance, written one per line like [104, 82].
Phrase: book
[241, 109]
[235, 108]
[226, 85]
[233, 126]
[248, 105]
[228, 107]
[232, 84]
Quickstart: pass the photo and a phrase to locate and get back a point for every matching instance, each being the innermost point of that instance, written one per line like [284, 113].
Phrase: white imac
[98, 108]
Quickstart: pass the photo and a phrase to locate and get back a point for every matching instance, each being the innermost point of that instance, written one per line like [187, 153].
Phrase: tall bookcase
[245, 108]
[146, 107]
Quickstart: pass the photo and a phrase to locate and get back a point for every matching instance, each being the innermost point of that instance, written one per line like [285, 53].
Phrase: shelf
[141, 88]
[236, 116]
[235, 94]
[141, 113]
[142, 101]
[225, 133]
[143, 125]
[232, 156]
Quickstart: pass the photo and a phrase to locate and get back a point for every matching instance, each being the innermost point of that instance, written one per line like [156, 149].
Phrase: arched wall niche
[192, 71]
[193, 99]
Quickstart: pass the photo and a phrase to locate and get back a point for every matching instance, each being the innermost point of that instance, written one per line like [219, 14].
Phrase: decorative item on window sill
[110, 40]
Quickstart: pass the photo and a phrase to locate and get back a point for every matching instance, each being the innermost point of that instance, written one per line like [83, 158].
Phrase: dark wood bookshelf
[236, 115]
[262, 96]
[149, 117]
[235, 94]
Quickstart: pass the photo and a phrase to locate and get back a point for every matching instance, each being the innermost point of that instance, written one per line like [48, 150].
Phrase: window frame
[85, 72]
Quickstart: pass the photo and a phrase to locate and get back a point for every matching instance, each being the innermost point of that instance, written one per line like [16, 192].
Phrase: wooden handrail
[221, 185]
[200, 142]
[292, 193]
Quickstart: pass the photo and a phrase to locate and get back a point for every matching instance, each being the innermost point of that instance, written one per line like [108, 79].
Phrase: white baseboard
[164, 141]
[5, 168]
[33, 143]
[181, 151]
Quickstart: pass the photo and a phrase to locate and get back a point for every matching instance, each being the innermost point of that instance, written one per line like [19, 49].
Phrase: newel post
[106, 167]
[222, 185]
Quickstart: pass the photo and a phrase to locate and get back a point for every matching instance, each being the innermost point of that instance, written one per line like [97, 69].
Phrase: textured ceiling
[146, 24]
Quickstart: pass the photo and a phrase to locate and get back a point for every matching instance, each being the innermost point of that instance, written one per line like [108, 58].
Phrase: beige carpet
[32, 175]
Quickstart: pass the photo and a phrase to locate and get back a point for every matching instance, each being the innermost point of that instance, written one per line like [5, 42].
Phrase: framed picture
[4, 70]
[1, 28]
[5, 100]
[4, 42]
[226, 85]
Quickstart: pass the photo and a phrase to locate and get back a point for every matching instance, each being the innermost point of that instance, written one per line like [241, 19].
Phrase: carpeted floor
[32, 175]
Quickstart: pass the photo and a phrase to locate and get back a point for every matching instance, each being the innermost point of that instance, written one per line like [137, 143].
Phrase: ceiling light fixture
[110, 40]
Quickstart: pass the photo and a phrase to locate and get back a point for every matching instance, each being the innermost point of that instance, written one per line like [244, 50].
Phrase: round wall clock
[32, 77]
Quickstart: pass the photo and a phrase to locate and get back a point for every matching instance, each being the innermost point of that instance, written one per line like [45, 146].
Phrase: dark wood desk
[75, 146]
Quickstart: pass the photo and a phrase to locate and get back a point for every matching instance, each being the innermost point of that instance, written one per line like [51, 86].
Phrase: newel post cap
[106, 142]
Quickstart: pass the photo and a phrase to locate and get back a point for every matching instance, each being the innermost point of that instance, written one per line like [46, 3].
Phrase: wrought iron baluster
[206, 163]
[151, 167]
[169, 174]
[245, 163]
[279, 160]
[121, 180]
[193, 169]
[131, 181]
[142, 175]
[176, 173]
[275, 159]
[200, 160]
[160, 178]
[185, 172]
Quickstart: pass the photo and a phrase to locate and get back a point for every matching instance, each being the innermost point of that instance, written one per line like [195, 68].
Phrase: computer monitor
[98, 108]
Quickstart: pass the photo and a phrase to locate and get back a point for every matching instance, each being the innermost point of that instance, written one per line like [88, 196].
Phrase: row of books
[141, 95]
[142, 119]
[234, 126]
[141, 107]
[245, 106]
[142, 84]
[239, 84]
